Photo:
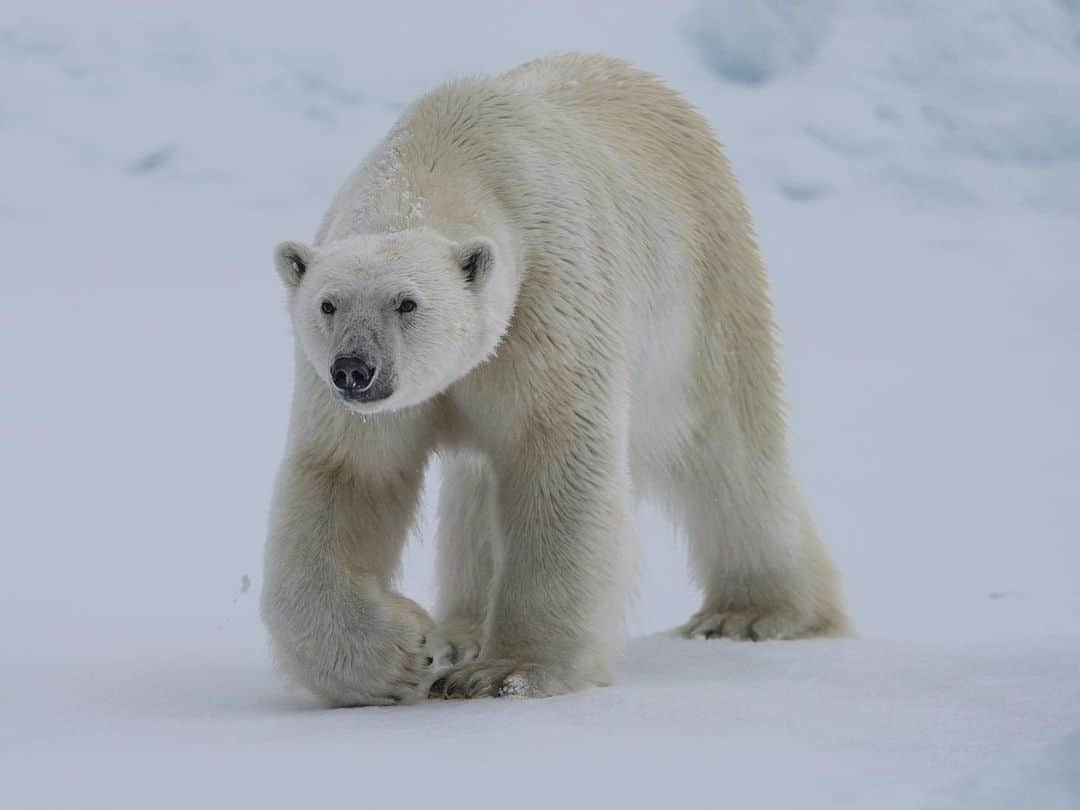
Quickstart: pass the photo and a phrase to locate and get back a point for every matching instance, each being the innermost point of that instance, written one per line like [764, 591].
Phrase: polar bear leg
[563, 520]
[754, 551]
[465, 565]
[335, 625]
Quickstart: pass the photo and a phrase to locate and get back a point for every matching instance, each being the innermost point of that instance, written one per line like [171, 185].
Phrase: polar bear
[548, 277]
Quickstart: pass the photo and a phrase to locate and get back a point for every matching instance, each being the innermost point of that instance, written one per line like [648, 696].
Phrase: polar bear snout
[353, 374]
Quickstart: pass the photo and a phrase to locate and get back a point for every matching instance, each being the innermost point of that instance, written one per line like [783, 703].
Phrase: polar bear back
[615, 191]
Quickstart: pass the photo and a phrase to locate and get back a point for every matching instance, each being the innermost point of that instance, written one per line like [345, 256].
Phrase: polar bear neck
[431, 169]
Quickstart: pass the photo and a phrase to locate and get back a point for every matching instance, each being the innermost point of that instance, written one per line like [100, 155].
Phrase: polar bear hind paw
[457, 642]
[753, 624]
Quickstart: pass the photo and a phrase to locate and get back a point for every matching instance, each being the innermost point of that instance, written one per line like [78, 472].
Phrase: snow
[914, 171]
[752, 43]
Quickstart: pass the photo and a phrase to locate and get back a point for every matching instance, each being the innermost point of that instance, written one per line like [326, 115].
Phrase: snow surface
[914, 170]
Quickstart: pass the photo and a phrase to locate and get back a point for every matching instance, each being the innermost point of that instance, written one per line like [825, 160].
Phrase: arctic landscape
[913, 168]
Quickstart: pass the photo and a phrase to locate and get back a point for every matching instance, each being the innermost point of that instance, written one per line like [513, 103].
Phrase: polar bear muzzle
[358, 378]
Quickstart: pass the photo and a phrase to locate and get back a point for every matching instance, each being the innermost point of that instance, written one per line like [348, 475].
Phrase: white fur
[619, 343]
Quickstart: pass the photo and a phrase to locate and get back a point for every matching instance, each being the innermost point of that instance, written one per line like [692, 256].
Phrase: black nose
[352, 374]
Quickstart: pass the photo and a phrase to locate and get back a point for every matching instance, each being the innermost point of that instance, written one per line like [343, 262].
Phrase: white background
[914, 171]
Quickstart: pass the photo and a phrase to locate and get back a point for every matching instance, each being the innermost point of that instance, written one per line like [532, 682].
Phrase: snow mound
[961, 102]
[751, 43]
[960, 69]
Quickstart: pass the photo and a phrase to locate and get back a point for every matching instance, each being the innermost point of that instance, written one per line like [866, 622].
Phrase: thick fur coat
[550, 278]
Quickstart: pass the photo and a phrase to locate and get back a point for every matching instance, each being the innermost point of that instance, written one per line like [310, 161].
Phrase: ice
[914, 173]
[752, 43]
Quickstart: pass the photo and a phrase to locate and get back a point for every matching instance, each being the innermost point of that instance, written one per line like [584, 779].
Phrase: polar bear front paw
[379, 657]
[752, 624]
[457, 641]
[499, 679]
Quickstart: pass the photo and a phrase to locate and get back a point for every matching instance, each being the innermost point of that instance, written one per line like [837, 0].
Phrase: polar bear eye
[328, 308]
[406, 306]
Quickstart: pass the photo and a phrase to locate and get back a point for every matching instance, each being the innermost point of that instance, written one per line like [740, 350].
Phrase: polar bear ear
[476, 257]
[291, 260]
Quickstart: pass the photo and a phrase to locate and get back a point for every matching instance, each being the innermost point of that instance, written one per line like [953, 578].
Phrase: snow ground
[914, 169]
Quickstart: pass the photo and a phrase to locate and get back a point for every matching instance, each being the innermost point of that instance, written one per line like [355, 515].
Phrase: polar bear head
[390, 320]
